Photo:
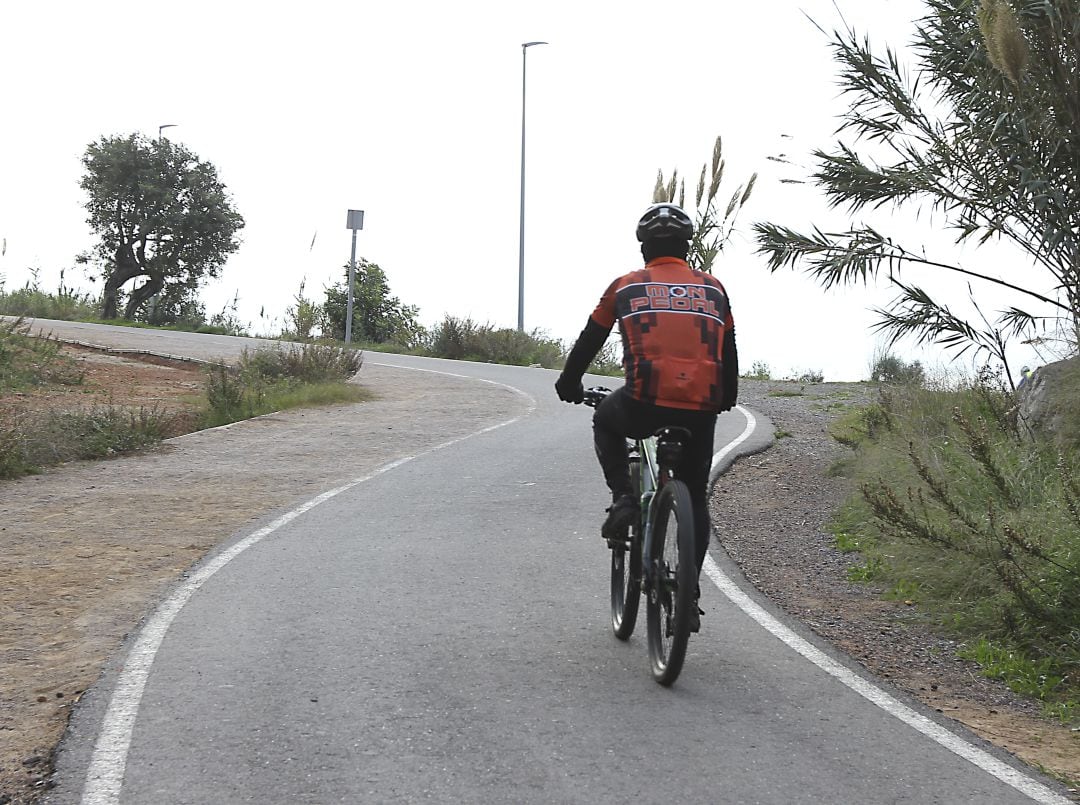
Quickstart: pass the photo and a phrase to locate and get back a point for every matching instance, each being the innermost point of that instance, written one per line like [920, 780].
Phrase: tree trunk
[126, 269]
[144, 292]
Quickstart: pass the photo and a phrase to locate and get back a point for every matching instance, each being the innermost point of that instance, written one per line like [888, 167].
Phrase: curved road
[439, 631]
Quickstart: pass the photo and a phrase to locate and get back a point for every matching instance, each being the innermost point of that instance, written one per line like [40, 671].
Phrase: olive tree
[161, 216]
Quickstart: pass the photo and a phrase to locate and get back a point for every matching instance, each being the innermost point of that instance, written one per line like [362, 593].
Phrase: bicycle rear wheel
[626, 570]
[674, 576]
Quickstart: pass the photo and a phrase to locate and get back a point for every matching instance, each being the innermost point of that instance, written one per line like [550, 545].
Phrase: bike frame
[651, 481]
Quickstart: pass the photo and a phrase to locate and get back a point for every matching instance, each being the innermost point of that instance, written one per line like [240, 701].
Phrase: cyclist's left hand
[570, 390]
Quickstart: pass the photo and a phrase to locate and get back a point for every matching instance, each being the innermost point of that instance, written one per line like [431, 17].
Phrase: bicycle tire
[626, 571]
[672, 588]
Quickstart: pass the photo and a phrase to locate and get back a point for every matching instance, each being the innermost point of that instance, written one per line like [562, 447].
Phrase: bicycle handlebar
[595, 395]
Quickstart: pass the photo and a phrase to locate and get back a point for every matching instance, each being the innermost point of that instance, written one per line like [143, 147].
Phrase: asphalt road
[439, 632]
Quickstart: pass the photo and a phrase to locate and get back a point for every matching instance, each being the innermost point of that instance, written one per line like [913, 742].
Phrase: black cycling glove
[570, 390]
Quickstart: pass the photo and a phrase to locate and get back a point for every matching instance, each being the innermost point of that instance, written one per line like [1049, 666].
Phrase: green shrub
[608, 361]
[28, 443]
[270, 379]
[32, 302]
[308, 363]
[465, 339]
[983, 523]
[28, 361]
[759, 371]
[887, 368]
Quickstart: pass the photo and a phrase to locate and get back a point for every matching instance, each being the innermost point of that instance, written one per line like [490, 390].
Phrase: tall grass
[468, 340]
[27, 361]
[32, 440]
[972, 519]
[266, 380]
[271, 379]
[31, 301]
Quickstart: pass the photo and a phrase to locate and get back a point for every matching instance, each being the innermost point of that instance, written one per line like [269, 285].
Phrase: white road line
[751, 424]
[105, 775]
[984, 760]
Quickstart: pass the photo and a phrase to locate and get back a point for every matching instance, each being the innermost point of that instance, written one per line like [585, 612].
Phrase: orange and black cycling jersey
[678, 336]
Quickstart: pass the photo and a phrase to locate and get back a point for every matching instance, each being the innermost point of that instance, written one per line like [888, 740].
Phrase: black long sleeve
[588, 344]
[730, 371]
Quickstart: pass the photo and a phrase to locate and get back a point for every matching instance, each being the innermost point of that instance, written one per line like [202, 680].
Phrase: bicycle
[657, 558]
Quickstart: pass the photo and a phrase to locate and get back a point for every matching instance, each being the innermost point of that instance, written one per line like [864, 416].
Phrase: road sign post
[354, 222]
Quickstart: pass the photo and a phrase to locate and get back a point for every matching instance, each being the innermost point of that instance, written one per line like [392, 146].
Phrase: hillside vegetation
[961, 510]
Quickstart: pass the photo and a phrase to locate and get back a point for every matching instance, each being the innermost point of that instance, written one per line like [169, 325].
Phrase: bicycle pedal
[618, 543]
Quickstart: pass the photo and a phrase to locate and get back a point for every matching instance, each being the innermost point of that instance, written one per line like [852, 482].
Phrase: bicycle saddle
[669, 444]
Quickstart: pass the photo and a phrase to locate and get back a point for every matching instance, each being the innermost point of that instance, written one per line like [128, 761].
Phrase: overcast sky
[411, 111]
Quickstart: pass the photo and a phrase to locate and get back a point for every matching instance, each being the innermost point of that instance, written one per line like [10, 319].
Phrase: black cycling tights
[620, 417]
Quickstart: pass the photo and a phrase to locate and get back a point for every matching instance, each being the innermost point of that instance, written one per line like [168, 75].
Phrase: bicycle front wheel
[674, 577]
[626, 570]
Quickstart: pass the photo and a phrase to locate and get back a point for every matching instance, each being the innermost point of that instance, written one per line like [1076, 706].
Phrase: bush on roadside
[308, 363]
[270, 379]
[32, 302]
[467, 340]
[969, 518]
[30, 442]
[888, 368]
[28, 361]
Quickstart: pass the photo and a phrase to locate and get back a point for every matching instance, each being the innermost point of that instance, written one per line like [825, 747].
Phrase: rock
[1047, 404]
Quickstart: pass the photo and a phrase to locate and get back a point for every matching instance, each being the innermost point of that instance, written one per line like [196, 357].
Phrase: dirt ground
[87, 547]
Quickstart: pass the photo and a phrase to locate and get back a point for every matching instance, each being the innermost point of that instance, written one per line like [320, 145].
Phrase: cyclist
[679, 360]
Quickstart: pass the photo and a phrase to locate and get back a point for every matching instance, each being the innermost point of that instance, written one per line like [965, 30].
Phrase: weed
[783, 434]
[860, 424]
[32, 302]
[309, 363]
[841, 468]
[272, 379]
[26, 361]
[846, 543]
[903, 590]
[228, 399]
[786, 393]
[811, 376]
[872, 570]
[28, 443]
[759, 371]
[1035, 678]
[608, 361]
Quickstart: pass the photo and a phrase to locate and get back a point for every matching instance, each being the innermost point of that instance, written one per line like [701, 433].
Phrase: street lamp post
[521, 235]
[156, 297]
